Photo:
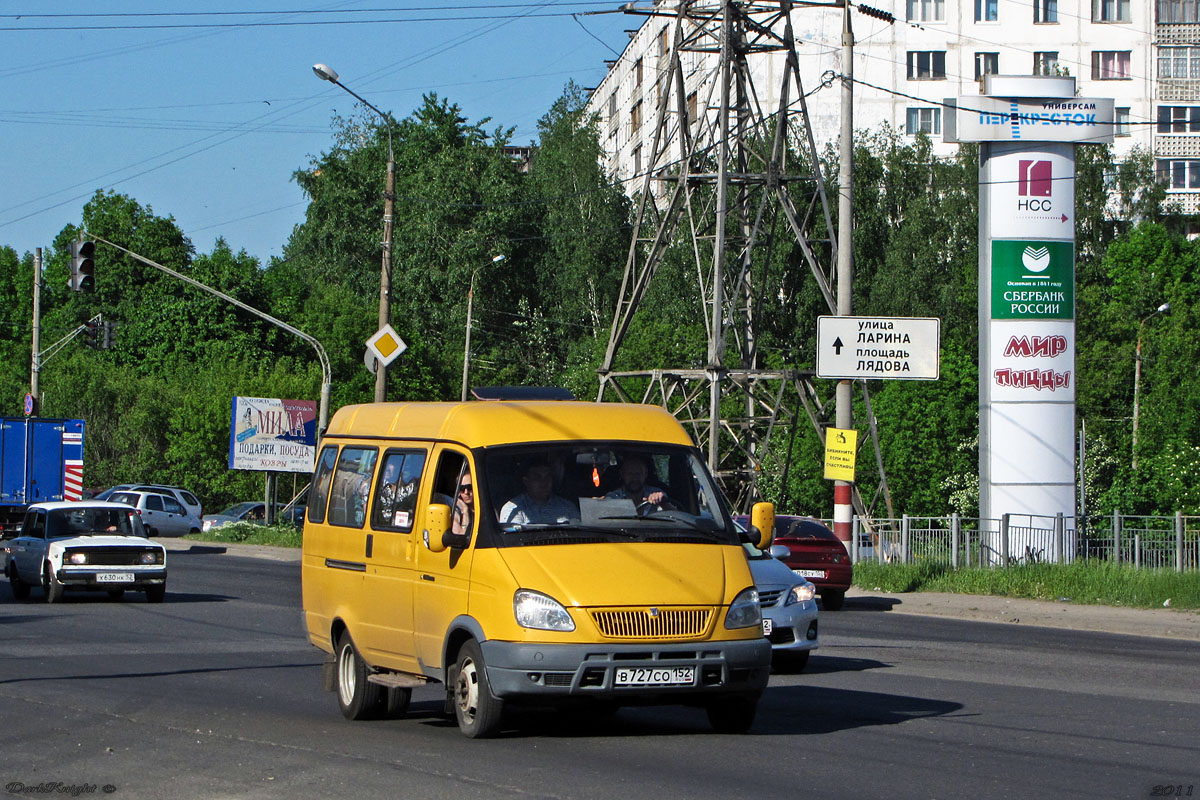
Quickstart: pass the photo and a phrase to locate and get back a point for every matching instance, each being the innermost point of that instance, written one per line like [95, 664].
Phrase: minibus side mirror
[437, 527]
[762, 524]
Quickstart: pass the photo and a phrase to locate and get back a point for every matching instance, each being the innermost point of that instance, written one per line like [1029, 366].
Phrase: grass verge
[250, 533]
[1089, 583]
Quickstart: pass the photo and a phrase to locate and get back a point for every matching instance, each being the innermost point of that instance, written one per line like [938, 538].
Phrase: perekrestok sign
[899, 348]
[979, 118]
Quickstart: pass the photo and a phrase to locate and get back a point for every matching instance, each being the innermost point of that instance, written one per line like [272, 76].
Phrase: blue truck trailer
[41, 459]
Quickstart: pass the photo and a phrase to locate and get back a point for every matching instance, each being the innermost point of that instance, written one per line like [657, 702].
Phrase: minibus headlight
[536, 610]
[744, 611]
[801, 593]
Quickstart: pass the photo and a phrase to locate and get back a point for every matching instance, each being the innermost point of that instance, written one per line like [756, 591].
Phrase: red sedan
[817, 554]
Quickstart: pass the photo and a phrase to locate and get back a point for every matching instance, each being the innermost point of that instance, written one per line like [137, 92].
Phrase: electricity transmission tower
[734, 179]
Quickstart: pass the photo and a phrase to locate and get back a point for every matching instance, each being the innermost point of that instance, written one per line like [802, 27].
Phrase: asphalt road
[215, 693]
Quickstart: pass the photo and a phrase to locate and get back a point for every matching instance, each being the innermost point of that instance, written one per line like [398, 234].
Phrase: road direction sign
[386, 344]
[895, 348]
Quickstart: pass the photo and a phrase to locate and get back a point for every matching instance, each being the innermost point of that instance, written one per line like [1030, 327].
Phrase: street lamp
[467, 338]
[1137, 374]
[326, 73]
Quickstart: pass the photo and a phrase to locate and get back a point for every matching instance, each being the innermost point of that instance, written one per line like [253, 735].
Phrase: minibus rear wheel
[477, 712]
[357, 697]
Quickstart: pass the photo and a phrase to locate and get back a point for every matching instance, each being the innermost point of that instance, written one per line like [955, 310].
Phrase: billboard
[268, 434]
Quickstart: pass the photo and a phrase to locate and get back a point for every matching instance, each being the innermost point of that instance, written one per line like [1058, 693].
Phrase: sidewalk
[1160, 622]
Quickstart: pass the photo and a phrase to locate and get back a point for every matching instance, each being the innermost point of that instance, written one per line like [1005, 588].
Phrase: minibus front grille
[653, 623]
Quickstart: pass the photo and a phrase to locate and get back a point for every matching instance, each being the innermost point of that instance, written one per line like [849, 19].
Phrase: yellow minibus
[528, 553]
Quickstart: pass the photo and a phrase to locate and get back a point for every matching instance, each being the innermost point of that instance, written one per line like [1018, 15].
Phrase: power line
[302, 23]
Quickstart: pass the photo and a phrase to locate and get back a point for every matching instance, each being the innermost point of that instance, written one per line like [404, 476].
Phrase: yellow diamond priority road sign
[387, 345]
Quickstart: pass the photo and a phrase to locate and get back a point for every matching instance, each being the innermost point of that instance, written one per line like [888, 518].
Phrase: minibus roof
[484, 424]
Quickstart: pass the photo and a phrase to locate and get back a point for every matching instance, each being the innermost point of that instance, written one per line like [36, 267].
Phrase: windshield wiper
[673, 519]
[564, 527]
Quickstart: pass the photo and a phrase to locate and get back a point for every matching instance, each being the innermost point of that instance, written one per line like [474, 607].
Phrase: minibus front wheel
[477, 712]
[732, 714]
[357, 697]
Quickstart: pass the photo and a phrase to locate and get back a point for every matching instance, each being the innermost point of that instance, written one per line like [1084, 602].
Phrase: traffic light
[92, 334]
[110, 335]
[83, 266]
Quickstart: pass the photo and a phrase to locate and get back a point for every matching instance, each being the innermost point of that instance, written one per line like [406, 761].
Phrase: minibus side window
[396, 490]
[316, 507]
[454, 485]
[351, 484]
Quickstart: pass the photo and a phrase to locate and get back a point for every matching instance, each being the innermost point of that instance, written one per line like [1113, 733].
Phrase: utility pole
[843, 510]
[467, 338]
[35, 363]
[385, 276]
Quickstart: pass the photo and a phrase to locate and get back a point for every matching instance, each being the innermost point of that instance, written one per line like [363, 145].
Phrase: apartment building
[1145, 54]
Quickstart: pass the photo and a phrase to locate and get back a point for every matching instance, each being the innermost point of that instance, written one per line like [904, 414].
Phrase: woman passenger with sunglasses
[464, 505]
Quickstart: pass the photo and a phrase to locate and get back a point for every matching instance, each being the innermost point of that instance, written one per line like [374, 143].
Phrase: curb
[1156, 622]
[193, 547]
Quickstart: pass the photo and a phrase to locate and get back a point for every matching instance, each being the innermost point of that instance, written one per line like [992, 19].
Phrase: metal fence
[1151, 542]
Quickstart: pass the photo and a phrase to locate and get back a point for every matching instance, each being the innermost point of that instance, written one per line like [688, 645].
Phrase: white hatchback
[90, 545]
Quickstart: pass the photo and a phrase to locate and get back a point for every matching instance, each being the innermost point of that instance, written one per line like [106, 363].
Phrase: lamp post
[467, 338]
[326, 73]
[1137, 374]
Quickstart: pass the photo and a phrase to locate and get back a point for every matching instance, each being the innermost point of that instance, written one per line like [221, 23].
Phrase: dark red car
[817, 554]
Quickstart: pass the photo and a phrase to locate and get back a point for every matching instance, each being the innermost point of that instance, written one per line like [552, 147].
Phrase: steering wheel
[650, 508]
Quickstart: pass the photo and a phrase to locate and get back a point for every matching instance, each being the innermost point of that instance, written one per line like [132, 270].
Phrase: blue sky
[207, 124]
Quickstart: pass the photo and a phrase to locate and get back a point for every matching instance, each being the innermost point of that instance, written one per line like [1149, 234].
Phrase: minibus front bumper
[633, 672]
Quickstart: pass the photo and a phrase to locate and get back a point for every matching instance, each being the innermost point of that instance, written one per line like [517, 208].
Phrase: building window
[1110, 65]
[1110, 10]
[1045, 10]
[986, 64]
[691, 107]
[1178, 119]
[1178, 11]
[926, 65]
[1121, 119]
[987, 10]
[924, 120]
[664, 41]
[1179, 174]
[635, 118]
[637, 161]
[1179, 63]
[637, 73]
[926, 10]
[1045, 62]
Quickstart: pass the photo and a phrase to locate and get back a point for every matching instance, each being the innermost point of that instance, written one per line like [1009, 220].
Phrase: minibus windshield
[599, 491]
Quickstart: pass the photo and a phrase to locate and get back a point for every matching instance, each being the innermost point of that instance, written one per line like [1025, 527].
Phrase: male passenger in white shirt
[538, 505]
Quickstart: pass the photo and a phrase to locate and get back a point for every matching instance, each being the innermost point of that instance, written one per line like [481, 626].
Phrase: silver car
[789, 607]
[186, 498]
[162, 514]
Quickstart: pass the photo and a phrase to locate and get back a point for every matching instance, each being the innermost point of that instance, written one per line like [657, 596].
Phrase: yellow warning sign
[840, 449]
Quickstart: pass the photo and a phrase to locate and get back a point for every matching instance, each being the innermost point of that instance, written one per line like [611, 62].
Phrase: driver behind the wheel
[634, 472]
